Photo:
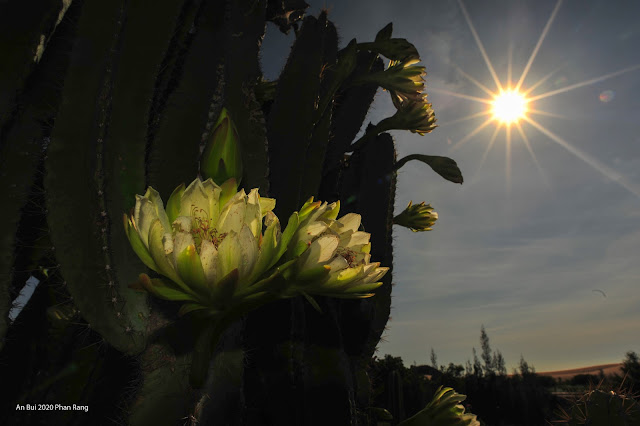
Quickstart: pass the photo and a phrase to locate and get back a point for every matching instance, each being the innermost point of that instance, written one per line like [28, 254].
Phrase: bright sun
[509, 106]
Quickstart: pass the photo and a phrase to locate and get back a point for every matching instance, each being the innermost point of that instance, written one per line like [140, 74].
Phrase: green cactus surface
[101, 100]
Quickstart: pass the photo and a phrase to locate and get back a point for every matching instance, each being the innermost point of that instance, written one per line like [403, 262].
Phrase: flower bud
[418, 218]
[221, 158]
[414, 114]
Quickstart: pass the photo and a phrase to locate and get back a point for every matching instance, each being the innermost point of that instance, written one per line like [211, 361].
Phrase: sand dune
[607, 369]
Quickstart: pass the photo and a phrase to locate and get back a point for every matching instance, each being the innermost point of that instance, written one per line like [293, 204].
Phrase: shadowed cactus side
[599, 407]
[124, 96]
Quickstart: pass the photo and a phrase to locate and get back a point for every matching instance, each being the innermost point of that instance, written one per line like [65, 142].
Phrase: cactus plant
[126, 95]
[599, 407]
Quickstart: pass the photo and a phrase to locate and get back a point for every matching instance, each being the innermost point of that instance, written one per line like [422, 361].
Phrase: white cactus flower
[209, 242]
[334, 256]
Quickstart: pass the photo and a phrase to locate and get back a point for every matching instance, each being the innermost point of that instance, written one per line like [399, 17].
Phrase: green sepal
[191, 271]
[333, 213]
[349, 296]
[267, 205]
[225, 288]
[285, 238]
[229, 188]
[314, 274]
[269, 284]
[137, 245]
[312, 301]
[344, 277]
[191, 307]
[267, 252]
[173, 205]
[299, 248]
[307, 208]
[160, 288]
[362, 287]
[157, 253]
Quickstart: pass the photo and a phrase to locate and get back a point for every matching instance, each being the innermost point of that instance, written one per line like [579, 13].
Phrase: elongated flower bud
[221, 158]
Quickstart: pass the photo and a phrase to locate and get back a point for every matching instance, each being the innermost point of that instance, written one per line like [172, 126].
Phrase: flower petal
[338, 263]
[267, 250]
[209, 259]
[173, 205]
[138, 246]
[350, 238]
[267, 205]
[320, 251]
[229, 189]
[155, 198]
[147, 214]
[190, 269]
[252, 214]
[182, 224]
[232, 216]
[249, 246]
[286, 237]
[350, 222]
[213, 192]
[229, 254]
[156, 249]
[194, 200]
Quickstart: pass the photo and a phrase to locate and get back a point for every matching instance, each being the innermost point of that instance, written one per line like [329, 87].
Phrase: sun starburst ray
[509, 105]
[525, 139]
[508, 157]
[585, 83]
[470, 135]
[538, 44]
[542, 80]
[509, 63]
[480, 46]
[595, 164]
[476, 82]
[486, 151]
[460, 95]
[547, 113]
[465, 118]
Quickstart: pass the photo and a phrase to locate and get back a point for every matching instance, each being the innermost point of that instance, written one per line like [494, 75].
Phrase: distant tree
[525, 368]
[499, 364]
[468, 368]
[486, 352]
[434, 359]
[631, 370]
[454, 370]
[477, 366]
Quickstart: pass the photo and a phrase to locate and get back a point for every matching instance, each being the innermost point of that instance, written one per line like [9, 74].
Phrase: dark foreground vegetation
[498, 399]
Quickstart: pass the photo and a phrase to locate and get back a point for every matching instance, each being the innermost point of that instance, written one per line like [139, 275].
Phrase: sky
[521, 246]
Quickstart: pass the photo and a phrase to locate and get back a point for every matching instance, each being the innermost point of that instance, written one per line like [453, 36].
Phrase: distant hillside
[607, 370]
